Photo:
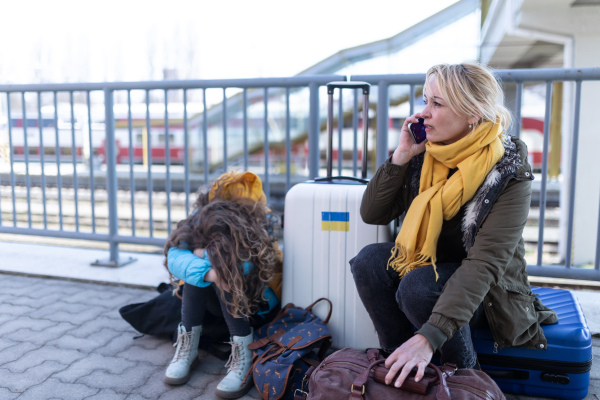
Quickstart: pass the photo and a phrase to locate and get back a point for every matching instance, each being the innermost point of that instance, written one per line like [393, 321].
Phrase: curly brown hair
[233, 231]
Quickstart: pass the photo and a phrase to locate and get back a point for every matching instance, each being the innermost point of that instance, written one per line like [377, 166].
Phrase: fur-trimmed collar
[507, 165]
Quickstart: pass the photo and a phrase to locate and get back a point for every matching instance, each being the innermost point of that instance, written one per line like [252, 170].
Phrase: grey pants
[398, 306]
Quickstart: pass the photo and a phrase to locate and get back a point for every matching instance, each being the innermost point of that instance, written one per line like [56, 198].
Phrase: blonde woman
[458, 259]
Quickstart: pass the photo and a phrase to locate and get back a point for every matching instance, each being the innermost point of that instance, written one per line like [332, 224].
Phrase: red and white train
[83, 139]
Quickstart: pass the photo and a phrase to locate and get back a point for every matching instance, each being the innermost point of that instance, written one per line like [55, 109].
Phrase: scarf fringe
[402, 263]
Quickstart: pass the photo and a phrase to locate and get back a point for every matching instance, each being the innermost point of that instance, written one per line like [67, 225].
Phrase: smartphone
[417, 130]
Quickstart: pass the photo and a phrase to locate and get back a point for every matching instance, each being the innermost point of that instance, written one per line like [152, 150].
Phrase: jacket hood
[238, 185]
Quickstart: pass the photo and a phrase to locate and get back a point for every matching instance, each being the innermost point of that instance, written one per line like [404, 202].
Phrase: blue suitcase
[562, 371]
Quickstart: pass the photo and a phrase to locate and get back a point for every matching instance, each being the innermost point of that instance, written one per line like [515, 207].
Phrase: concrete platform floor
[61, 336]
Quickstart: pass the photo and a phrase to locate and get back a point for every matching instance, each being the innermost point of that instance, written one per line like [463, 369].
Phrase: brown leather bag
[355, 375]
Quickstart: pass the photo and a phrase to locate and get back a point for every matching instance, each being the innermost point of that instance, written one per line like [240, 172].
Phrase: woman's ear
[473, 120]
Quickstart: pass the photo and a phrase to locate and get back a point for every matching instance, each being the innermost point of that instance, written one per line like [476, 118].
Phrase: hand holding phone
[405, 150]
[417, 130]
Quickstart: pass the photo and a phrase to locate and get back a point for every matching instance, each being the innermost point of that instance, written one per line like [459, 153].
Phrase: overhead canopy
[402, 40]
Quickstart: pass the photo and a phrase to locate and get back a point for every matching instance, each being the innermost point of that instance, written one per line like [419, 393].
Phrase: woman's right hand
[415, 352]
[211, 275]
[199, 252]
[407, 148]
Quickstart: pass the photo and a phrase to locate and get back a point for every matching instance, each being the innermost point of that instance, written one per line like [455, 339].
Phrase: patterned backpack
[283, 351]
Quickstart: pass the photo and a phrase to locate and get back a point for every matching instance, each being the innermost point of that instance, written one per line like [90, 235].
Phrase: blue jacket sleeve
[272, 301]
[184, 265]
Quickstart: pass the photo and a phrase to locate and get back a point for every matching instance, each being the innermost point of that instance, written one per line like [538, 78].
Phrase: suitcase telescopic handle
[365, 87]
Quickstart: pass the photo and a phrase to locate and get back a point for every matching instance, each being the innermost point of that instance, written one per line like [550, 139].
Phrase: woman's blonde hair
[470, 89]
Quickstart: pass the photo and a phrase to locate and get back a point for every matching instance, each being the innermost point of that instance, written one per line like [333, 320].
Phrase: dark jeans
[397, 306]
[197, 301]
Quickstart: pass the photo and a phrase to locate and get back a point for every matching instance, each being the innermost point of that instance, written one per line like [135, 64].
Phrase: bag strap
[267, 340]
[448, 369]
[372, 355]
[309, 308]
[302, 393]
[443, 393]
[326, 345]
[310, 361]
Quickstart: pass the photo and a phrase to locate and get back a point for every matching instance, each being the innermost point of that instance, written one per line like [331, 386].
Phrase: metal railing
[18, 174]
[296, 103]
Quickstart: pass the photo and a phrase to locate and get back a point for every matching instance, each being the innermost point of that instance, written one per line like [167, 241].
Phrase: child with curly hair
[228, 258]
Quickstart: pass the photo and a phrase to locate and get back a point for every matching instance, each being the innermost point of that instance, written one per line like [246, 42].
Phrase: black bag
[158, 317]
[161, 316]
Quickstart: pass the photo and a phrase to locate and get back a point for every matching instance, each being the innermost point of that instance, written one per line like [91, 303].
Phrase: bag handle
[409, 385]
[309, 308]
[281, 313]
[372, 355]
[443, 393]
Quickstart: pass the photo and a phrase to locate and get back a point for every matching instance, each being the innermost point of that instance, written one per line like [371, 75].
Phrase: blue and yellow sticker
[335, 221]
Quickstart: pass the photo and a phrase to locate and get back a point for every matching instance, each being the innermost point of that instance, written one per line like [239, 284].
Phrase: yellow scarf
[440, 197]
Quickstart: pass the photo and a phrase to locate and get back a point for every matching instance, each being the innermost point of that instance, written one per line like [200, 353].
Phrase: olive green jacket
[494, 271]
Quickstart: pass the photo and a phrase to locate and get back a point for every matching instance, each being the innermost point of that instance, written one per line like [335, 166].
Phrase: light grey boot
[240, 362]
[186, 355]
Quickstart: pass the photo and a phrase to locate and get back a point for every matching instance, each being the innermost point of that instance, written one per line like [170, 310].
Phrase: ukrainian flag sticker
[335, 221]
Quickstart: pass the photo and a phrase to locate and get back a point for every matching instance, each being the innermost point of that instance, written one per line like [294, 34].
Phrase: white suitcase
[323, 230]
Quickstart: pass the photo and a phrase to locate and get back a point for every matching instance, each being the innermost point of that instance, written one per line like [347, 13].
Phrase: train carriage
[81, 139]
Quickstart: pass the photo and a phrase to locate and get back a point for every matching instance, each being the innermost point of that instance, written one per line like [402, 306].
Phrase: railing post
[111, 186]
[383, 100]
[313, 131]
[542, 205]
[573, 175]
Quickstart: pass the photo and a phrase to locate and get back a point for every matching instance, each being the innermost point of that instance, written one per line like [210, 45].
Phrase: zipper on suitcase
[550, 366]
